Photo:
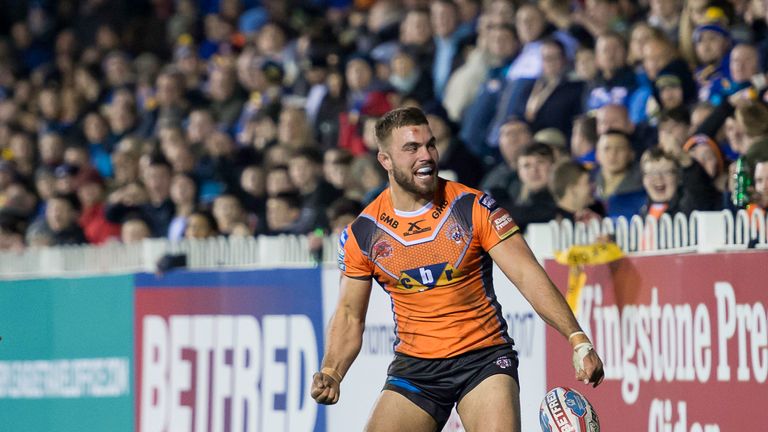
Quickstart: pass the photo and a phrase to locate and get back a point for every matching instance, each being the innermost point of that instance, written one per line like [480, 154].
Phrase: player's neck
[405, 201]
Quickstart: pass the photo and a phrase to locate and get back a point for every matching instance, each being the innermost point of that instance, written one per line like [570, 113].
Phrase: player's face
[411, 159]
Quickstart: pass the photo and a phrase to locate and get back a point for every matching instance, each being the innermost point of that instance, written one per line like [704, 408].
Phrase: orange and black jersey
[435, 266]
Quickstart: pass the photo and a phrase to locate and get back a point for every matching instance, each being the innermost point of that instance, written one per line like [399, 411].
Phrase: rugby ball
[566, 410]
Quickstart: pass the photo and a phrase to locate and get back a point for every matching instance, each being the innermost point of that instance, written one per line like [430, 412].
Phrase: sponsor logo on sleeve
[502, 223]
[488, 202]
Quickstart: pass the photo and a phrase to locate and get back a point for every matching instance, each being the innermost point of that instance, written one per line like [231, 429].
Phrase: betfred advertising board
[228, 351]
[683, 338]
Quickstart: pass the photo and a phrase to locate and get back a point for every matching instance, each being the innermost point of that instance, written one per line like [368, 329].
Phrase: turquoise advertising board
[66, 354]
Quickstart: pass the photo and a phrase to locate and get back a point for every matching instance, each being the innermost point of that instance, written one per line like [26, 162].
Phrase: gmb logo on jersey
[428, 277]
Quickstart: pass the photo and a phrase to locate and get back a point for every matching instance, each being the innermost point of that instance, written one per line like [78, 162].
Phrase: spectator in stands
[229, 215]
[96, 133]
[293, 129]
[125, 166]
[618, 178]
[365, 97]
[514, 137]
[712, 42]
[407, 78]
[665, 15]
[670, 191]
[12, 231]
[371, 179]
[584, 140]
[550, 100]
[283, 212]
[341, 213]
[184, 197]
[51, 149]
[22, 149]
[616, 117]
[743, 64]
[752, 116]
[134, 230]
[659, 58]
[571, 188]
[61, 221]
[706, 152]
[226, 99]
[670, 92]
[152, 204]
[201, 124]
[455, 161]
[673, 129]
[200, 225]
[496, 47]
[305, 170]
[337, 165]
[531, 201]
[96, 227]
[616, 80]
[760, 178]
[416, 33]
[444, 15]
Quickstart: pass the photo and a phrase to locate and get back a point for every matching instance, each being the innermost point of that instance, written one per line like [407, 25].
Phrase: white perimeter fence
[702, 232]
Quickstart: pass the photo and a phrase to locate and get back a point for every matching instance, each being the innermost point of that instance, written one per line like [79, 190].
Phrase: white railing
[702, 232]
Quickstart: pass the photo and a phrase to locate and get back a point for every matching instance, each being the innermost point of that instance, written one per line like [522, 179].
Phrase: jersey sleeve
[352, 262]
[493, 222]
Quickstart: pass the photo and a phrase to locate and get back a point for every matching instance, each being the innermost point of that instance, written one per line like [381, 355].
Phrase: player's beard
[405, 179]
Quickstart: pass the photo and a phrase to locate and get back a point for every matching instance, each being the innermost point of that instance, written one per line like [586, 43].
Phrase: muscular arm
[344, 338]
[519, 265]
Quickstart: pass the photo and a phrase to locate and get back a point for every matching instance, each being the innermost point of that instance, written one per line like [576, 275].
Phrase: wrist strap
[576, 333]
[331, 372]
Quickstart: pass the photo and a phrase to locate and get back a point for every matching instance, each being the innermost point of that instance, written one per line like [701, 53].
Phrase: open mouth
[425, 172]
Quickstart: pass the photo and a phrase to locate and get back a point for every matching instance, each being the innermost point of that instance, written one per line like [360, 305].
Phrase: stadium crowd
[122, 120]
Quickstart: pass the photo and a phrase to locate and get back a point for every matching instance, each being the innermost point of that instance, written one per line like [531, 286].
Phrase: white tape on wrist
[579, 352]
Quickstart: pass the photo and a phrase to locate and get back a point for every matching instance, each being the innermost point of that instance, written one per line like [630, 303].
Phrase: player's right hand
[325, 390]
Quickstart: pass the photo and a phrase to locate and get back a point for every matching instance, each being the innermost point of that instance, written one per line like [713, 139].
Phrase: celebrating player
[431, 244]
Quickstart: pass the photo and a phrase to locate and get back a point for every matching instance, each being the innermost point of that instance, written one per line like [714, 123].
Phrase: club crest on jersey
[456, 233]
[428, 277]
[382, 249]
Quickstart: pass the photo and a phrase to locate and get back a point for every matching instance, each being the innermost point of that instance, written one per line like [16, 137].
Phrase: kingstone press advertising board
[683, 339]
[228, 351]
[66, 356]
[365, 379]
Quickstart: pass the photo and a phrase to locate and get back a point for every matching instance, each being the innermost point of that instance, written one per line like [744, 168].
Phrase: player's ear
[385, 160]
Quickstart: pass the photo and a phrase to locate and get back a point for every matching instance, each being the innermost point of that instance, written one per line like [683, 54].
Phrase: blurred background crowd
[127, 119]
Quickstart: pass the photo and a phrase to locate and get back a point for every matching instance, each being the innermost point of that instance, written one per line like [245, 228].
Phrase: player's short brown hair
[397, 118]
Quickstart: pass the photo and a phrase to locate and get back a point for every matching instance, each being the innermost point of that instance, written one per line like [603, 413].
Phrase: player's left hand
[589, 367]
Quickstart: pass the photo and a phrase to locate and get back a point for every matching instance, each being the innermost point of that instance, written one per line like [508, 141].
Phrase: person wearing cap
[670, 92]
[556, 141]
[712, 43]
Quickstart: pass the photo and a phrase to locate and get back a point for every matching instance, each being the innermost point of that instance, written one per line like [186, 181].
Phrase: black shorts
[435, 385]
